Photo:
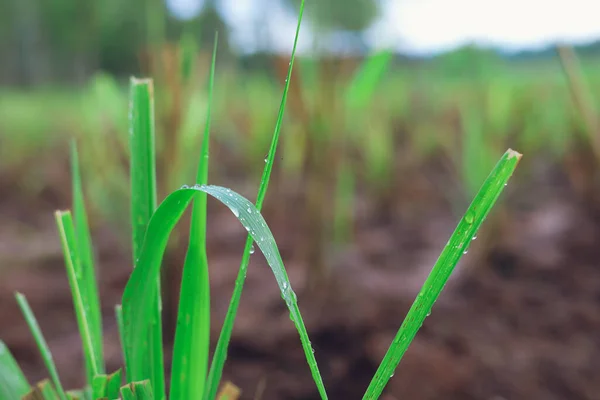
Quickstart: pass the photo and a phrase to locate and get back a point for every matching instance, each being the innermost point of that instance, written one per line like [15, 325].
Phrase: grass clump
[139, 316]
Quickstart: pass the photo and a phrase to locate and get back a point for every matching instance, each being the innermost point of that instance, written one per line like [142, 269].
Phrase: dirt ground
[519, 319]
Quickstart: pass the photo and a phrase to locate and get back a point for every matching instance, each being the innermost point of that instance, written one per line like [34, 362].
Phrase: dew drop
[465, 252]
[252, 250]
[185, 187]
[235, 212]
[474, 237]
[470, 217]
[249, 210]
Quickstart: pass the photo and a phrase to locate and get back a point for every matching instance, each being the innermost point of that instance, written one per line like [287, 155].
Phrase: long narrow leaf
[41, 343]
[119, 318]
[457, 245]
[149, 363]
[192, 336]
[64, 221]
[86, 274]
[216, 368]
[138, 294]
[13, 384]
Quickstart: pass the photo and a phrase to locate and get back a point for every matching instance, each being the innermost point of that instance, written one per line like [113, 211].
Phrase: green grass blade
[119, 318]
[85, 267]
[138, 294]
[107, 386]
[363, 85]
[216, 368]
[78, 395]
[150, 363]
[41, 343]
[192, 336]
[457, 245]
[66, 229]
[43, 391]
[250, 217]
[13, 384]
[137, 391]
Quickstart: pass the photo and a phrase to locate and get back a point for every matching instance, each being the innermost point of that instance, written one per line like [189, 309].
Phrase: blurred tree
[343, 15]
[202, 27]
[328, 17]
[472, 61]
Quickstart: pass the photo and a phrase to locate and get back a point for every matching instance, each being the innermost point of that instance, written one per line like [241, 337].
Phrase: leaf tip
[512, 153]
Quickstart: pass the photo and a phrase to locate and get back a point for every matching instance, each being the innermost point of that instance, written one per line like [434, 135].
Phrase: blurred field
[368, 185]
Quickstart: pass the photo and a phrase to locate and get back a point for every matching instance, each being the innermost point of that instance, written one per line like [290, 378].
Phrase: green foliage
[42, 346]
[139, 318]
[13, 384]
[144, 358]
[457, 245]
[192, 336]
[78, 286]
[346, 15]
[80, 246]
[107, 386]
[216, 368]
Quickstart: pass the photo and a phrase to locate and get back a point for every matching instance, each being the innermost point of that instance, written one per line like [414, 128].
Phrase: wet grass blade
[41, 343]
[192, 336]
[86, 274]
[220, 354]
[66, 229]
[149, 363]
[13, 384]
[457, 245]
[138, 295]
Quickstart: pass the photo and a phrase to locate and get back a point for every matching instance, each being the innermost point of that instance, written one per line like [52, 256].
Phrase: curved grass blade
[192, 336]
[216, 368]
[13, 384]
[85, 268]
[457, 245]
[143, 203]
[140, 290]
[41, 343]
[64, 221]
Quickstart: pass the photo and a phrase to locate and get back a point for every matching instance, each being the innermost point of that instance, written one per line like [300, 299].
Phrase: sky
[424, 26]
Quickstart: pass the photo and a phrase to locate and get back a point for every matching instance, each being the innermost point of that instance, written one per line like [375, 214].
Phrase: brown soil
[519, 319]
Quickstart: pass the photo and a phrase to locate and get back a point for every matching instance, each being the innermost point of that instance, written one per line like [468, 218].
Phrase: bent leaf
[140, 292]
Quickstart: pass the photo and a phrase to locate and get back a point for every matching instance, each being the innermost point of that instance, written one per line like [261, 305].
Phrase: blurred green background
[385, 141]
